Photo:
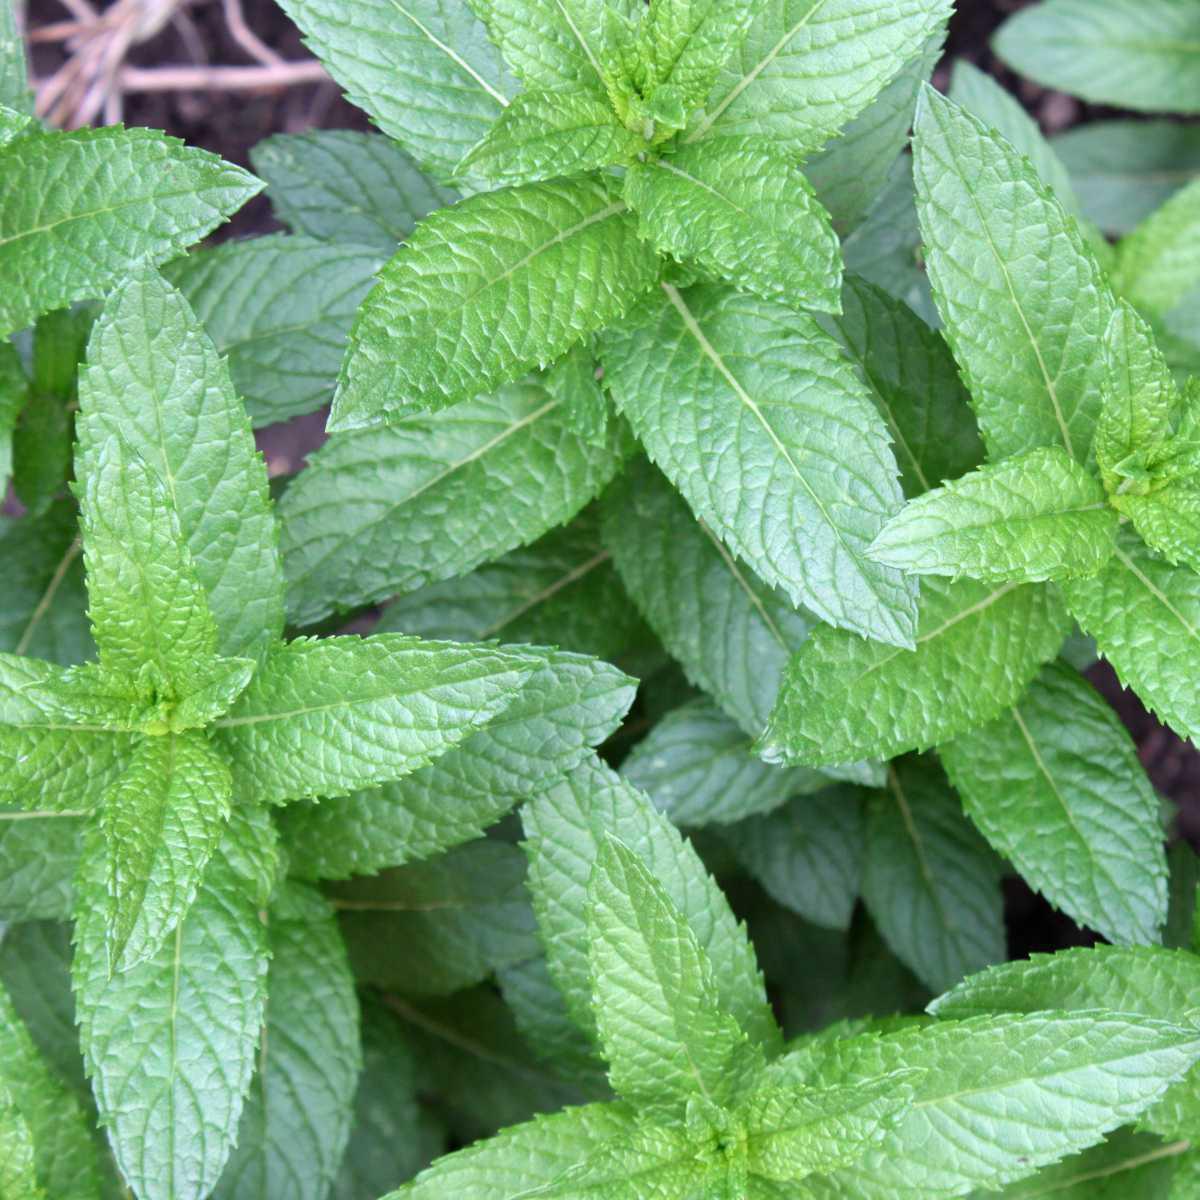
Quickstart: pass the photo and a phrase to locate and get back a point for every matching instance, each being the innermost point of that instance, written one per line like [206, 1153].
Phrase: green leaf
[1000, 1096]
[564, 706]
[712, 368]
[1055, 785]
[731, 633]
[88, 205]
[1168, 522]
[806, 67]
[654, 994]
[565, 827]
[744, 213]
[38, 853]
[161, 824]
[323, 717]
[14, 392]
[915, 385]
[455, 488]
[296, 1120]
[978, 646]
[18, 1172]
[1038, 515]
[1131, 54]
[807, 854]
[929, 880]
[155, 379]
[1026, 328]
[476, 297]
[169, 1044]
[436, 927]
[1159, 262]
[545, 135]
[1184, 865]
[424, 70]
[280, 309]
[574, 379]
[14, 81]
[339, 185]
[1145, 617]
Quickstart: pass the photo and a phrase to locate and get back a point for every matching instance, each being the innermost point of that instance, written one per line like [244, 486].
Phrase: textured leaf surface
[169, 1044]
[564, 827]
[1145, 617]
[1055, 785]
[14, 83]
[18, 1169]
[712, 368]
[455, 489]
[280, 309]
[743, 212]
[1036, 516]
[297, 1115]
[488, 289]
[1126, 53]
[1168, 521]
[88, 205]
[929, 881]
[38, 854]
[340, 185]
[978, 646]
[323, 717]
[155, 379]
[1159, 262]
[564, 706]
[806, 67]
[424, 70]
[1023, 299]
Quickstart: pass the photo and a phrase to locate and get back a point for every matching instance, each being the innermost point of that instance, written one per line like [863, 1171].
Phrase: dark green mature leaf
[488, 289]
[1124, 52]
[455, 488]
[14, 393]
[436, 927]
[86, 206]
[743, 212]
[564, 706]
[730, 631]
[806, 67]
[711, 368]
[280, 309]
[565, 827]
[18, 1170]
[170, 1044]
[1025, 327]
[155, 379]
[1038, 515]
[1158, 264]
[929, 881]
[424, 70]
[296, 1119]
[38, 854]
[323, 717]
[1055, 785]
[978, 646]
[1145, 617]
[339, 185]
[914, 382]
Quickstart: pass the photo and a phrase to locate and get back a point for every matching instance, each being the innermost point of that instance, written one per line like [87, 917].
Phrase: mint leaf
[1055, 785]
[88, 205]
[1145, 617]
[14, 392]
[280, 309]
[155, 379]
[339, 185]
[806, 67]
[14, 81]
[38, 853]
[295, 1122]
[18, 1172]
[1159, 262]
[169, 1044]
[742, 212]
[425, 72]
[1036, 516]
[575, 380]
[565, 705]
[929, 880]
[711, 368]
[654, 993]
[474, 299]
[978, 646]
[1026, 329]
[455, 488]
[323, 717]
[1168, 521]
[545, 135]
